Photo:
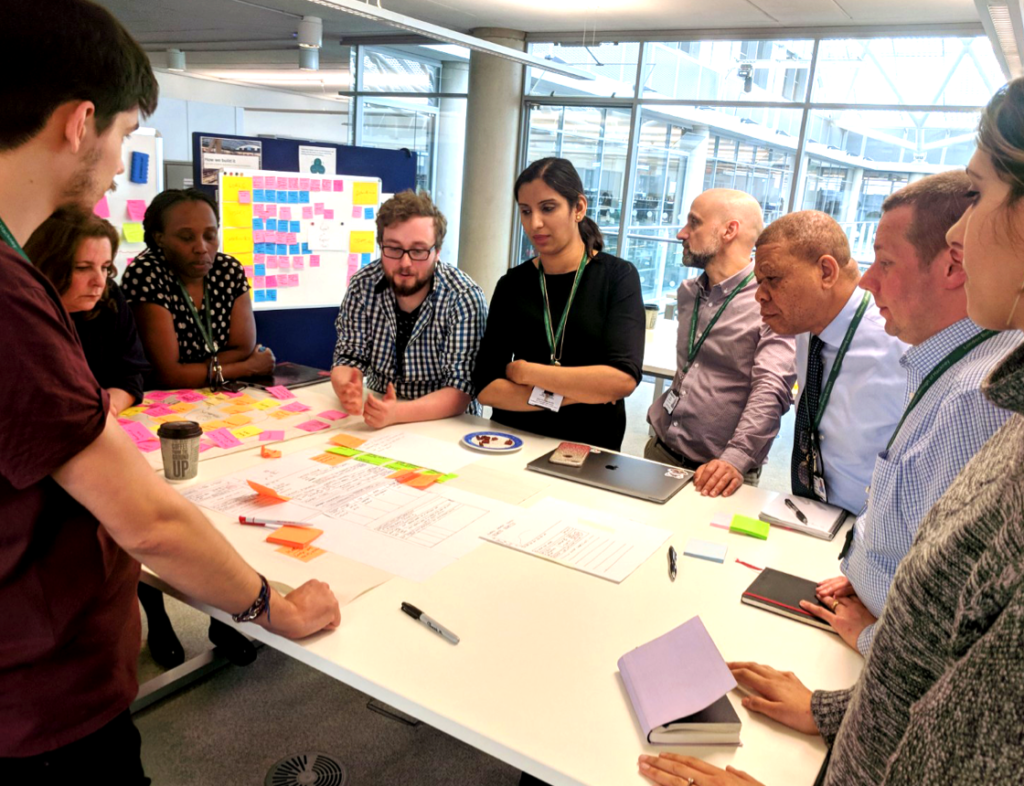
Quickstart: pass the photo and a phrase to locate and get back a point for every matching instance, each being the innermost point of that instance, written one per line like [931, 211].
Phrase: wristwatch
[261, 604]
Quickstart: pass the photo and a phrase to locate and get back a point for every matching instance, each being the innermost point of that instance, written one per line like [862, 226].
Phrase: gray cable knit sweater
[941, 697]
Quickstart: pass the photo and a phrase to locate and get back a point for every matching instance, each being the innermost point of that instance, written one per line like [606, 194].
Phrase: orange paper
[304, 554]
[263, 491]
[269, 453]
[415, 480]
[346, 440]
[294, 537]
[279, 415]
[331, 459]
[238, 420]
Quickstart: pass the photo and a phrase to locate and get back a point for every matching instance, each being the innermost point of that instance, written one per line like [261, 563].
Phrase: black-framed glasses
[415, 254]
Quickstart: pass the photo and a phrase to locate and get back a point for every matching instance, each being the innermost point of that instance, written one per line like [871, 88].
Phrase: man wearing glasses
[410, 324]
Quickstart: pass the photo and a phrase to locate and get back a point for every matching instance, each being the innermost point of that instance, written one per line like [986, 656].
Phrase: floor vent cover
[307, 769]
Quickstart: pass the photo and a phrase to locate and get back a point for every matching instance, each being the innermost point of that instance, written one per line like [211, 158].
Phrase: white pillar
[448, 181]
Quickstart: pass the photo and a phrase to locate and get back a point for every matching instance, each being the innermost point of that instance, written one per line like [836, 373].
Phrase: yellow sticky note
[168, 419]
[238, 420]
[364, 194]
[239, 241]
[237, 215]
[182, 407]
[267, 403]
[360, 242]
[245, 260]
[134, 233]
[246, 431]
[127, 413]
[232, 185]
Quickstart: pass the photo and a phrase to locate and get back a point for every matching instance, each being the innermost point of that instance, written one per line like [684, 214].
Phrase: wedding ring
[835, 604]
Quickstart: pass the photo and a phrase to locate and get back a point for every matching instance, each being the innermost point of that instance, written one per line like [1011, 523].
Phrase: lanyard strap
[943, 366]
[555, 337]
[694, 348]
[207, 330]
[826, 392]
[8, 238]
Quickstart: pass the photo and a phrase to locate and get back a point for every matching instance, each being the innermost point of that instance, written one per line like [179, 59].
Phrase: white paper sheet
[425, 452]
[588, 540]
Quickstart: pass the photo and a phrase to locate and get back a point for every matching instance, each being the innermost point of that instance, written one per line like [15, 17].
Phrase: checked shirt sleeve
[466, 317]
[354, 328]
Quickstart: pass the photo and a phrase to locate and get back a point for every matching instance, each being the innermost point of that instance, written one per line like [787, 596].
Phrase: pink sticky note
[307, 212]
[293, 183]
[283, 263]
[102, 209]
[318, 208]
[159, 395]
[339, 185]
[292, 238]
[271, 436]
[271, 263]
[280, 392]
[312, 425]
[314, 260]
[297, 263]
[260, 282]
[314, 185]
[332, 414]
[285, 213]
[230, 394]
[270, 281]
[148, 446]
[260, 259]
[136, 209]
[159, 410]
[257, 181]
[245, 197]
[257, 235]
[295, 406]
[327, 185]
[293, 279]
[189, 396]
[271, 211]
[303, 184]
[205, 446]
[270, 182]
[357, 212]
[137, 431]
[223, 438]
[329, 214]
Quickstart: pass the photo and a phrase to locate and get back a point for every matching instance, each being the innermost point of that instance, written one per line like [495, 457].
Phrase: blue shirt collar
[926, 355]
[835, 332]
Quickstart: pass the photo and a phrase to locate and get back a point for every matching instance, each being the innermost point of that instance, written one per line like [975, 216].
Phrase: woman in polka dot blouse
[190, 301]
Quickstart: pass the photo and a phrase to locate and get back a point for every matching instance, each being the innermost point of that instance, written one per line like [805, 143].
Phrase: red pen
[252, 521]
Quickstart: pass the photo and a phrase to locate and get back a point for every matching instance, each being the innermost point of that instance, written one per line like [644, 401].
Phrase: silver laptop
[635, 477]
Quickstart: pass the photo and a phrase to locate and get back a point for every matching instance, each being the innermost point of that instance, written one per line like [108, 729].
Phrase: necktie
[800, 472]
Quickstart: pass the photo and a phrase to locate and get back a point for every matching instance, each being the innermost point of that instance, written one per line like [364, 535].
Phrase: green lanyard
[8, 238]
[555, 337]
[693, 348]
[943, 366]
[838, 364]
[207, 330]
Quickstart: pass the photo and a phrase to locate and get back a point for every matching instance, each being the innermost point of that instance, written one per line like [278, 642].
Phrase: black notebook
[781, 593]
[715, 725]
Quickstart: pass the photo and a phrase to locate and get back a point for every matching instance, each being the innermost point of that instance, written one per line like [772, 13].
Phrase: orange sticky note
[263, 491]
[279, 415]
[237, 409]
[213, 425]
[305, 554]
[346, 440]
[294, 537]
[331, 459]
[238, 420]
[182, 407]
[269, 453]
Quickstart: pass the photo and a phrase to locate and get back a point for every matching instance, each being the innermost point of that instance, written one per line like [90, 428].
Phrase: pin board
[299, 237]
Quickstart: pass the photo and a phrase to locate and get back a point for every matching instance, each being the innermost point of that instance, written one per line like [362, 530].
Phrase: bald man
[734, 374]
[807, 287]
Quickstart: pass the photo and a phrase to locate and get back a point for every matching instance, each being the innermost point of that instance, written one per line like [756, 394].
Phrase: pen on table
[799, 513]
[437, 627]
[672, 562]
[252, 521]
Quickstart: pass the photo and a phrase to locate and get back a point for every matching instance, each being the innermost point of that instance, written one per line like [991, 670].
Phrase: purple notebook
[675, 675]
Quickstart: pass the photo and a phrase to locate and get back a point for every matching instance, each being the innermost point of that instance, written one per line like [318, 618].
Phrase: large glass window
[613, 66]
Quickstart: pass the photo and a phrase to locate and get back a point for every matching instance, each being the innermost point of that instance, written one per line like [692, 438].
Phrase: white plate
[499, 442]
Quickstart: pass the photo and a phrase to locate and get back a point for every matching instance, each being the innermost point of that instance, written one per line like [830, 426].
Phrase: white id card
[545, 399]
[670, 401]
[819, 488]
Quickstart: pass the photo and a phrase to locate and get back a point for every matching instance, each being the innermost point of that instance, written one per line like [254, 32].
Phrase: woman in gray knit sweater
[941, 697]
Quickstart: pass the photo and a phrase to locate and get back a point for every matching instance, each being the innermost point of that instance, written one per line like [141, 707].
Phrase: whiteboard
[299, 237]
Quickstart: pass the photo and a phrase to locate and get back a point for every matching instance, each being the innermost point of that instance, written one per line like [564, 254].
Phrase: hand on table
[350, 393]
[381, 412]
[304, 611]
[517, 371]
[717, 477]
[839, 587]
[260, 362]
[783, 697]
[848, 616]
[671, 769]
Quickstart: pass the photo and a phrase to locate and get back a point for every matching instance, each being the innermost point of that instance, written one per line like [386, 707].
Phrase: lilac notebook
[675, 675]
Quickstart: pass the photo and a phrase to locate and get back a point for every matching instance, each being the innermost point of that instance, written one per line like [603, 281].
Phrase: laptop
[289, 375]
[629, 475]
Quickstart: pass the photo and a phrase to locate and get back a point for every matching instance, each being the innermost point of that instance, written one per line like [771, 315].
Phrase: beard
[82, 191]
[698, 259]
[410, 288]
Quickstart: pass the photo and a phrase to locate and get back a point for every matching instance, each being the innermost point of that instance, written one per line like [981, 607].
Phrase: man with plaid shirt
[410, 324]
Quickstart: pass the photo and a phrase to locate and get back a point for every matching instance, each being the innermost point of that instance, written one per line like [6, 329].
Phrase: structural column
[451, 154]
[492, 140]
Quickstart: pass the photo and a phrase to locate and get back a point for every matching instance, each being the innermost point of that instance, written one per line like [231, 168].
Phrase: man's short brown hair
[809, 235]
[938, 201]
[408, 204]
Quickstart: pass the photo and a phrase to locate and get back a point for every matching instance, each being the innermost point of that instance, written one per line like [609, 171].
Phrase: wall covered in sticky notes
[296, 235]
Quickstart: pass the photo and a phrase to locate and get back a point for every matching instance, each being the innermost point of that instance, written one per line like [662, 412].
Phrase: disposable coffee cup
[651, 311]
[179, 446]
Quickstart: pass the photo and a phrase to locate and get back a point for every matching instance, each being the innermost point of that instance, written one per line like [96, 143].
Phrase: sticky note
[244, 432]
[223, 438]
[133, 232]
[402, 467]
[705, 549]
[280, 392]
[297, 263]
[238, 420]
[343, 451]
[294, 537]
[279, 415]
[245, 260]
[295, 406]
[127, 413]
[148, 446]
[293, 197]
[303, 184]
[312, 426]
[266, 452]
[304, 197]
[230, 187]
[159, 410]
[331, 459]
[285, 214]
[293, 281]
[304, 554]
[318, 209]
[270, 181]
[369, 213]
[271, 436]
[307, 212]
[212, 425]
[271, 282]
[189, 395]
[360, 242]
[182, 407]
[745, 525]
[258, 181]
[137, 431]
[346, 440]
[267, 403]
[264, 491]
[370, 458]
[238, 216]
[136, 209]
[271, 295]
[245, 197]
[364, 194]
[238, 241]
[293, 182]
[357, 212]
[102, 209]
[339, 185]
[328, 214]
[332, 414]
[314, 185]
[314, 260]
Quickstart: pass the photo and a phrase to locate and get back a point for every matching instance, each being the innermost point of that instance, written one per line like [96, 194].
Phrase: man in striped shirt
[410, 324]
[918, 285]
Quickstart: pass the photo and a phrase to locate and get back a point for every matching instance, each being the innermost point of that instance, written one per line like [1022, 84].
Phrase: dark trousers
[111, 754]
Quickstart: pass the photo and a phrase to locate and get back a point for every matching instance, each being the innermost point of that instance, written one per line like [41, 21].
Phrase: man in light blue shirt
[918, 284]
[807, 287]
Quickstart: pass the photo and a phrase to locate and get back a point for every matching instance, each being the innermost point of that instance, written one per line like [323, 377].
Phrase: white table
[534, 680]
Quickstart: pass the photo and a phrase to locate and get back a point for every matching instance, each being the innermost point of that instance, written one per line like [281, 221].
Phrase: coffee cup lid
[179, 429]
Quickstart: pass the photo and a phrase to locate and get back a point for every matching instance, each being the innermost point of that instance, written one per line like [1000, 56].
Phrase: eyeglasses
[415, 254]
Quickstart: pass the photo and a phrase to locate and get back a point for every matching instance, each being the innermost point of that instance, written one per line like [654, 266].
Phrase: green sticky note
[341, 451]
[133, 232]
[446, 478]
[370, 458]
[401, 465]
[748, 526]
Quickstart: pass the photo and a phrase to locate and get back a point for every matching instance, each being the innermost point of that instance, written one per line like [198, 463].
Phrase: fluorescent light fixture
[175, 60]
[309, 59]
[403, 22]
[1003, 21]
[311, 32]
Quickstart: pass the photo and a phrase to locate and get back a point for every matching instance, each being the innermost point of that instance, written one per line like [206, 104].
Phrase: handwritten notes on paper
[360, 242]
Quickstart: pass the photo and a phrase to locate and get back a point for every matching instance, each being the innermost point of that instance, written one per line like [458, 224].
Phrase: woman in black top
[76, 252]
[190, 301]
[591, 357]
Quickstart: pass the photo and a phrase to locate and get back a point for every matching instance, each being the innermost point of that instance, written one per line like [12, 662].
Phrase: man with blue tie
[848, 368]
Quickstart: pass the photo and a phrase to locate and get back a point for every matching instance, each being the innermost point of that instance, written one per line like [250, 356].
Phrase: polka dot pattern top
[149, 279]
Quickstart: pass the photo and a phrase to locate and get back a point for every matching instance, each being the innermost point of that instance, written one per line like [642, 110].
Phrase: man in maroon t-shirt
[78, 503]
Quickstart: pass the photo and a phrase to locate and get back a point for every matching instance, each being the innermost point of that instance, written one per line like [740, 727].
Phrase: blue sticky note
[258, 248]
[293, 197]
[260, 296]
[294, 226]
[282, 197]
[705, 549]
[368, 213]
[366, 260]
[272, 295]
[259, 195]
[260, 270]
[257, 223]
[295, 248]
[282, 249]
[269, 195]
[304, 197]
[305, 248]
[271, 224]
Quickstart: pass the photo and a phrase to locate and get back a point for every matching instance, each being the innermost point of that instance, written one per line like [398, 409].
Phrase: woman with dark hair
[76, 252]
[191, 302]
[939, 700]
[564, 343]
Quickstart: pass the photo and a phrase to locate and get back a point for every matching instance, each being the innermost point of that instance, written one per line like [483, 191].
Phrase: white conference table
[534, 680]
